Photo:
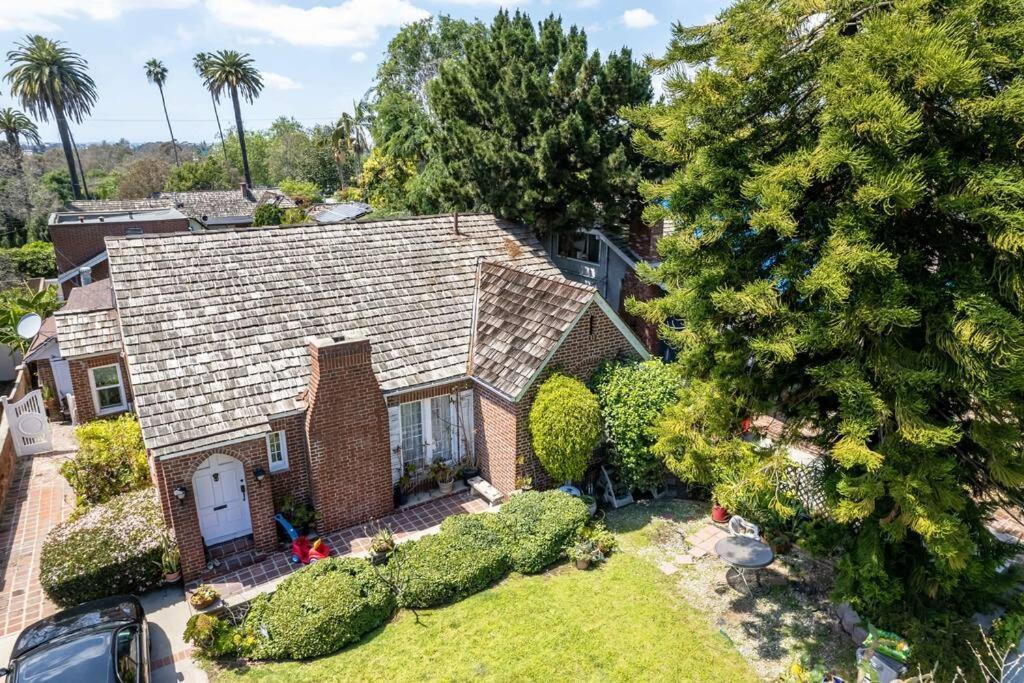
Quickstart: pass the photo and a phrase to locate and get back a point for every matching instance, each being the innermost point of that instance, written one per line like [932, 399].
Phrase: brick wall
[82, 388]
[293, 481]
[494, 418]
[347, 432]
[76, 243]
[594, 339]
[633, 288]
[643, 238]
[44, 375]
[182, 517]
[7, 455]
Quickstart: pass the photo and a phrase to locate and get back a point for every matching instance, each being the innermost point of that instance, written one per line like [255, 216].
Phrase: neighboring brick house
[321, 361]
[78, 239]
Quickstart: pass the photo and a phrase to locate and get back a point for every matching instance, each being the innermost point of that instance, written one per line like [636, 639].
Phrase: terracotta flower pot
[172, 577]
[719, 514]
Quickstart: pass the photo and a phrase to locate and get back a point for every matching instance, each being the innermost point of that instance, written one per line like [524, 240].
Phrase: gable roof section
[215, 326]
[520, 319]
[87, 325]
[47, 333]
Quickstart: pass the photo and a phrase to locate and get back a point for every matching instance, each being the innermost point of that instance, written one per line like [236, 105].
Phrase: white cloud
[278, 82]
[358, 57]
[352, 23]
[638, 18]
[46, 15]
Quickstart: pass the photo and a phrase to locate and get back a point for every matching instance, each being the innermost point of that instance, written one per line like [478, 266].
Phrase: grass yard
[619, 622]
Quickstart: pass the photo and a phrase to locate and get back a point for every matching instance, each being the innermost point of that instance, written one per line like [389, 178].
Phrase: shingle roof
[88, 323]
[199, 205]
[47, 331]
[520, 319]
[216, 336]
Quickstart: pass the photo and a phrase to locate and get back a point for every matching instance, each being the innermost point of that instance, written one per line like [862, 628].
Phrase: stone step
[485, 490]
[230, 563]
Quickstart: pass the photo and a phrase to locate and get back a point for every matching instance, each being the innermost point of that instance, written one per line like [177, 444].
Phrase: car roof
[88, 657]
[105, 613]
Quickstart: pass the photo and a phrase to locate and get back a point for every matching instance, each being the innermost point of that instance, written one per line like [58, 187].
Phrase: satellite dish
[28, 326]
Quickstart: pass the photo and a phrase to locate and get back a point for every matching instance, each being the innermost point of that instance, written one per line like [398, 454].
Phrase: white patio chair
[741, 527]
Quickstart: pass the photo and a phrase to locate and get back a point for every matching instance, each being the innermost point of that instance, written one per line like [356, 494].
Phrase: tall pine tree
[528, 126]
[848, 191]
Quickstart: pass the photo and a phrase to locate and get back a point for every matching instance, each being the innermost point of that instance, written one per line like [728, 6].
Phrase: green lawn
[616, 623]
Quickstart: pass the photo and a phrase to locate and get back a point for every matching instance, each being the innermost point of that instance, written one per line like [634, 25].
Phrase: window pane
[105, 377]
[441, 428]
[274, 442]
[412, 432]
[110, 397]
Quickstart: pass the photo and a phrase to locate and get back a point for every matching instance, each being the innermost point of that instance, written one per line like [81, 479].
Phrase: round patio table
[743, 553]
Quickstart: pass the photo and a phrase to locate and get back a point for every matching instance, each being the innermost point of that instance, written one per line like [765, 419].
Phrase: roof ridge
[508, 265]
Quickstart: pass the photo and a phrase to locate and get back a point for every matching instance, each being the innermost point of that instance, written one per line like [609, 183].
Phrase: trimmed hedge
[538, 526]
[111, 460]
[319, 610]
[565, 425]
[322, 608]
[465, 557]
[114, 548]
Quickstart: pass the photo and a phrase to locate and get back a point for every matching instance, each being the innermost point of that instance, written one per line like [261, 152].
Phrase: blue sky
[317, 56]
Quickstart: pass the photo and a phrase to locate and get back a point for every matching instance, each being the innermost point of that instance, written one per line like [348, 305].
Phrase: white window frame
[120, 407]
[283, 464]
[427, 429]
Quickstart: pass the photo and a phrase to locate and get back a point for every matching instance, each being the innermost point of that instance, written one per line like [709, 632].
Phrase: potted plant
[381, 545]
[405, 484]
[585, 553]
[300, 515]
[170, 562]
[524, 483]
[781, 543]
[591, 503]
[601, 537]
[468, 469]
[718, 513]
[203, 596]
[441, 473]
[50, 400]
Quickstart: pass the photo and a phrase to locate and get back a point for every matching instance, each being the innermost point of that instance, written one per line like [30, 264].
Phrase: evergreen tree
[849, 200]
[528, 126]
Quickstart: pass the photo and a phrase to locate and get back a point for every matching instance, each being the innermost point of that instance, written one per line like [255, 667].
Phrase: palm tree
[349, 137]
[52, 80]
[17, 127]
[199, 63]
[156, 73]
[227, 70]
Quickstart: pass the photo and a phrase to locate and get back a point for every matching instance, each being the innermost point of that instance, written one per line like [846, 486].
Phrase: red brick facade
[44, 375]
[633, 288]
[81, 387]
[339, 449]
[76, 243]
[347, 433]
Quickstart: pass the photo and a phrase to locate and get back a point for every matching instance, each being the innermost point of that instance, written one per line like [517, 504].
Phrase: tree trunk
[220, 130]
[85, 184]
[174, 144]
[65, 142]
[241, 136]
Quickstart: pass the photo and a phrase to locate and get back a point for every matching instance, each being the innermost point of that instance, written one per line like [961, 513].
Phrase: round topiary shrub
[465, 557]
[318, 610]
[537, 526]
[114, 548]
[565, 424]
[632, 396]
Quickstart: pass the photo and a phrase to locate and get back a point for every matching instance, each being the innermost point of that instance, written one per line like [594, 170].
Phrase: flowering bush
[116, 547]
[111, 460]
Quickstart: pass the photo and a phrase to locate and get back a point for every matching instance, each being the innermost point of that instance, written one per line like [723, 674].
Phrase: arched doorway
[222, 502]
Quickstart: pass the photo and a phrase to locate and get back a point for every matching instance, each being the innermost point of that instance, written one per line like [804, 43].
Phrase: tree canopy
[848, 183]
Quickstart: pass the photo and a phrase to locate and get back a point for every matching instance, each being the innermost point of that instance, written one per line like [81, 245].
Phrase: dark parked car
[100, 641]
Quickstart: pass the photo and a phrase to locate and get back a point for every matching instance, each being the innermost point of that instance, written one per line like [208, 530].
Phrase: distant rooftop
[116, 216]
[204, 206]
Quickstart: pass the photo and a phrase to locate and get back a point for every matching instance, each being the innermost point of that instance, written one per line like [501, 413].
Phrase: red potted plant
[718, 513]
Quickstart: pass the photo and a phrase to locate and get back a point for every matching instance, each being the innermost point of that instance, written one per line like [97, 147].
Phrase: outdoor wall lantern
[180, 493]
[260, 474]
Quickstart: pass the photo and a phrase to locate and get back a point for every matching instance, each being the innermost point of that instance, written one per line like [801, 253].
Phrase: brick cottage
[323, 362]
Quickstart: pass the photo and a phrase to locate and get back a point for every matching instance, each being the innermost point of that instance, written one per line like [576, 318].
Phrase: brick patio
[407, 524]
[39, 499]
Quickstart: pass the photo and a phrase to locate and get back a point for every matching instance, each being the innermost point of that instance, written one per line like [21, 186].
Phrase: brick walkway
[38, 500]
[407, 524]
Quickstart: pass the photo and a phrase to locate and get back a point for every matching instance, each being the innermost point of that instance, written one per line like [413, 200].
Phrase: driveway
[37, 501]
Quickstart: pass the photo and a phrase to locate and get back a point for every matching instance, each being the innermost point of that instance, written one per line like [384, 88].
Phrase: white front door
[61, 376]
[222, 501]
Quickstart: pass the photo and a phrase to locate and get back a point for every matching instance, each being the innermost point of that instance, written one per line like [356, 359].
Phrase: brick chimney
[643, 238]
[347, 433]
